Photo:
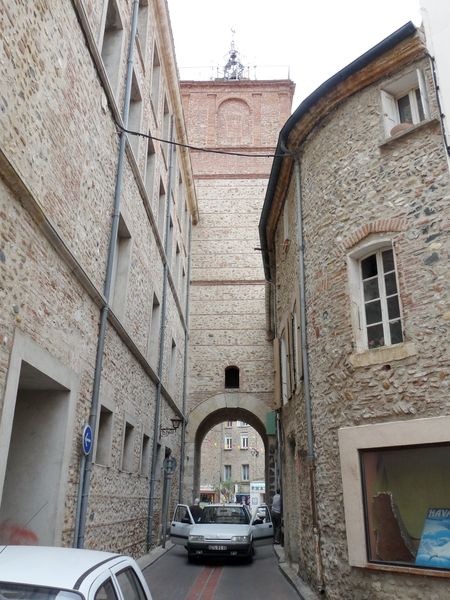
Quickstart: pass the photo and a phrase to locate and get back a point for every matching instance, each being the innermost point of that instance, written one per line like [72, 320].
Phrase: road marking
[205, 585]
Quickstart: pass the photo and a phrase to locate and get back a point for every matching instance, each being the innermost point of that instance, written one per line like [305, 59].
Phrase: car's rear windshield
[19, 591]
[232, 515]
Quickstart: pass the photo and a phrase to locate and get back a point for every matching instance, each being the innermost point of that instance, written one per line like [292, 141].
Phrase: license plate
[217, 547]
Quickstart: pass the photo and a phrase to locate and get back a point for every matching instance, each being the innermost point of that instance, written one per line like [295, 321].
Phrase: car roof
[50, 566]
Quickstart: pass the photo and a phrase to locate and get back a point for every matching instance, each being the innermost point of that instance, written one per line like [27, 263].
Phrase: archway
[215, 410]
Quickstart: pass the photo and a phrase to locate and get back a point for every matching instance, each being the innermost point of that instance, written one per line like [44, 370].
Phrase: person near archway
[196, 510]
[276, 517]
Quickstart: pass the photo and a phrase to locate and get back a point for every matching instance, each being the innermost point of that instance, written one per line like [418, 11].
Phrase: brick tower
[237, 120]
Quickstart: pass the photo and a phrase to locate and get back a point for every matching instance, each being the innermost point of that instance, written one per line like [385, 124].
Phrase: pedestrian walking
[276, 513]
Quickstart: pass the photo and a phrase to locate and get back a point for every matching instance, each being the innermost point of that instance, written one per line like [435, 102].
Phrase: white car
[225, 530]
[48, 573]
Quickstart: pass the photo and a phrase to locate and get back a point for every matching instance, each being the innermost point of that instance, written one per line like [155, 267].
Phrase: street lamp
[176, 422]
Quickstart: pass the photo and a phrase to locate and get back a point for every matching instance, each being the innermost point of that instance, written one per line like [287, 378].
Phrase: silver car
[223, 530]
[47, 573]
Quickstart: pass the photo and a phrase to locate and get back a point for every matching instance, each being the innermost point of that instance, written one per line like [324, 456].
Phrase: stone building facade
[230, 373]
[355, 232]
[94, 240]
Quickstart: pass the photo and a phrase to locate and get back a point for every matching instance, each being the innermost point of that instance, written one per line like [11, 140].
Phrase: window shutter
[277, 373]
[390, 114]
[423, 93]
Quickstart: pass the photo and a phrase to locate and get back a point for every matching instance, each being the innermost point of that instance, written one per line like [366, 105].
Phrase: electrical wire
[151, 137]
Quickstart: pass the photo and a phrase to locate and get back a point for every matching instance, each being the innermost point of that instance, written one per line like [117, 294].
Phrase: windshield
[230, 515]
[19, 591]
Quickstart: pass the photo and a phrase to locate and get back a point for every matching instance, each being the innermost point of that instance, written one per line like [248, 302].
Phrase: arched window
[231, 377]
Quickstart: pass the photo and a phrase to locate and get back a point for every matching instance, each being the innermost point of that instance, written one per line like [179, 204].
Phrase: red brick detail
[379, 226]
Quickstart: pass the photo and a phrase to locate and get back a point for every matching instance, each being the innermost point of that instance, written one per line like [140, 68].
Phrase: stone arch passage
[211, 412]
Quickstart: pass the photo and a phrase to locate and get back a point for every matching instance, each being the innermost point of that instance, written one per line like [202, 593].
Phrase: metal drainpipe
[186, 343]
[162, 335]
[80, 524]
[305, 362]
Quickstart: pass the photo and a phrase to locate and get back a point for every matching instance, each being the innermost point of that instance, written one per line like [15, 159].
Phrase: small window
[154, 333]
[245, 473]
[150, 170]
[227, 472]
[380, 299]
[156, 77]
[104, 437]
[228, 443]
[145, 456]
[135, 114]
[111, 43]
[404, 101]
[121, 267]
[229, 424]
[404, 526]
[161, 209]
[128, 448]
[231, 378]
[242, 424]
[244, 441]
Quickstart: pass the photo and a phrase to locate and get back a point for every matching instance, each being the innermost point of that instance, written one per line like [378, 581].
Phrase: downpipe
[306, 381]
[86, 467]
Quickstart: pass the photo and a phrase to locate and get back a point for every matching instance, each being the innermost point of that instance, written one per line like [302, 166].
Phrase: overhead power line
[197, 148]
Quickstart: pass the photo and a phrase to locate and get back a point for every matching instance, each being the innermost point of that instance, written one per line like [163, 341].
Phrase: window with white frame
[244, 441]
[404, 101]
[375, 296]
[227, 472]
[242, 424]
[228, 442]
[229, 424]
[396, 493]
[245, 472]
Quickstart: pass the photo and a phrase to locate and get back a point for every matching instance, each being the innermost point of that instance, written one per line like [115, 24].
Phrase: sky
[308, 41]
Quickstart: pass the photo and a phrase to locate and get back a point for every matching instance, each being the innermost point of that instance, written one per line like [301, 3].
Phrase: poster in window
[434, 547]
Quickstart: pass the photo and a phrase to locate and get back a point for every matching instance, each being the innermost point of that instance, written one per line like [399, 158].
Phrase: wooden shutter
[277, 373]
[390, 112]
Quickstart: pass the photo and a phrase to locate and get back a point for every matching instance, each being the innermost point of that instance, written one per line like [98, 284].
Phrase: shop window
[396, 493]
[407, 505]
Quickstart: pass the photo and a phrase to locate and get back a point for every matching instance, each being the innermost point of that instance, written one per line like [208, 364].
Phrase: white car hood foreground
[215, 531]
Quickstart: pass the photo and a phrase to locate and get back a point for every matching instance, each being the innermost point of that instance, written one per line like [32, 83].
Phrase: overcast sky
[308, 40]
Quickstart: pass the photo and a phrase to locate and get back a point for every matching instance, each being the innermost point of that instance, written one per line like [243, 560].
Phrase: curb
[288, 570]
[154, 555]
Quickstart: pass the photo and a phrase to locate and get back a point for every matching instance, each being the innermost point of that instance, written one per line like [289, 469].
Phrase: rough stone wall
[354, 183]
[58, 163]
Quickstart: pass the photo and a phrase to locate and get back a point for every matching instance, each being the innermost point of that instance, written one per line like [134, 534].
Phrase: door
[262, 526]
[181, 524]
